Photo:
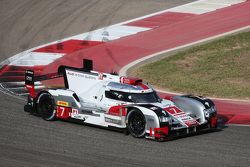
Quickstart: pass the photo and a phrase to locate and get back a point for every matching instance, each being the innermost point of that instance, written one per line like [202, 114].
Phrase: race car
[113, 101]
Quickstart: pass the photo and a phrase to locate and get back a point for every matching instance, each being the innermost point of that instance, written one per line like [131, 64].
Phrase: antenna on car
[87, 64]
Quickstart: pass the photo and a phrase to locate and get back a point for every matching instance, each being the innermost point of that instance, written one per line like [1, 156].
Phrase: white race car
[108, 100]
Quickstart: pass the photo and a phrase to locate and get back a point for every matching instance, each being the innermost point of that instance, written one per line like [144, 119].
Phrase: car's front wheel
[46, 106]
[136, 123]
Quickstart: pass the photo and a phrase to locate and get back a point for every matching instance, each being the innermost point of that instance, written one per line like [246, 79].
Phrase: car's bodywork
[109, 100]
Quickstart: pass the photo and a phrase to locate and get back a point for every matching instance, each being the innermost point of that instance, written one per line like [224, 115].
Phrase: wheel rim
[47, 107]
[137, 124]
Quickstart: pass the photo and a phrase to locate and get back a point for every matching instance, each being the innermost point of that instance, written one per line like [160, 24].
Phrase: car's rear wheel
[46, 106]
[136, 123]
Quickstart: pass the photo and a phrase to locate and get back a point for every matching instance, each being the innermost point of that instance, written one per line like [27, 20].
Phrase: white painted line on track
[205, 6]
[95, 37]
[228, 2]
[210, 5]
[110, 33]
[36, 59]
[192, 10]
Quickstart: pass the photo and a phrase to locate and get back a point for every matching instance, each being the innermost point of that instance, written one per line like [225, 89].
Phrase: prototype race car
[108, 100]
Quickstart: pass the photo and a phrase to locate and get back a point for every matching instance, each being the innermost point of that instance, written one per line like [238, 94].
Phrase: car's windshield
[133, 97]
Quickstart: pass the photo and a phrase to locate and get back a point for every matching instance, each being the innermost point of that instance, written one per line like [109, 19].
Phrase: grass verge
[217, 69]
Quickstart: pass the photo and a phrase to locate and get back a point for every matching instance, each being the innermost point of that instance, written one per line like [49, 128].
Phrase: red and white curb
[46, 54]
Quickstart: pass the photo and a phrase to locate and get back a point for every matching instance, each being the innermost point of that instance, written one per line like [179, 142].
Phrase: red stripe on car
[118, 110]
[143, 86]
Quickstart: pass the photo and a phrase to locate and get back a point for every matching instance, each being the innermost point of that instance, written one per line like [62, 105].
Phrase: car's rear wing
[77, 79]
[73, 77]
[29, 82]
[30, 79]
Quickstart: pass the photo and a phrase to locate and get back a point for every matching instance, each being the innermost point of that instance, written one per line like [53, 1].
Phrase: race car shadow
[110, 128]
[80, 122]
[220, 127]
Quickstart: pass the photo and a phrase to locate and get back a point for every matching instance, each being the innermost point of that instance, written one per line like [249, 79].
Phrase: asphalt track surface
[27, 140]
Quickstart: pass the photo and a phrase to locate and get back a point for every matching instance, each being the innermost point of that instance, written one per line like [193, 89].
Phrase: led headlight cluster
[213, 109]
[209, 111]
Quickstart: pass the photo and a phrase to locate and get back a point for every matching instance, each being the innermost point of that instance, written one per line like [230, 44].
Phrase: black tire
[46, 106]
[136, 123]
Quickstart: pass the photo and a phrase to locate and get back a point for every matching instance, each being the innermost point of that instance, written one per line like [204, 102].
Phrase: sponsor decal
[29, 78]
[75, 111]
[70, 73]
[79, 116]
[181, 116]
[90, 77]
[62, 103]
[75, 74]
[67, 112]
[63, 112]
[174, 110]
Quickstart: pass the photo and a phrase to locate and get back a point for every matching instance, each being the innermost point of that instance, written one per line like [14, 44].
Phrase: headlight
[209, 111]
[213, 109]
[207, 114]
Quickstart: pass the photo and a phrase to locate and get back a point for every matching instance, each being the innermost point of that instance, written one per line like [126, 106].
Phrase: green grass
[219, 69]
